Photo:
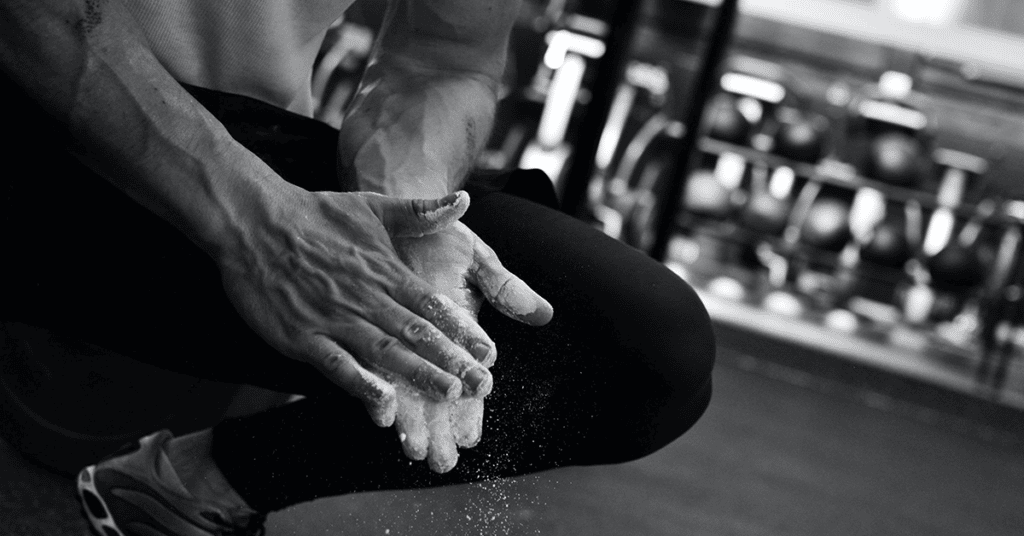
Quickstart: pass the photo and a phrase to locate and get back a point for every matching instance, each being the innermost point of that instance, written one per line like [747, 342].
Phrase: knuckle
[417, 330]
[336, 365]
[460, 365]
[384, 346]
[423, 374]
[508, 286]
[430, 302]
[418, 207]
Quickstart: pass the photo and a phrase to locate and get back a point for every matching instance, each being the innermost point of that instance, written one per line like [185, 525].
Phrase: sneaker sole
[95, 508]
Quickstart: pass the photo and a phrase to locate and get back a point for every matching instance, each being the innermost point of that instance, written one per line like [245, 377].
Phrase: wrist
[240, 192]
[415, 132]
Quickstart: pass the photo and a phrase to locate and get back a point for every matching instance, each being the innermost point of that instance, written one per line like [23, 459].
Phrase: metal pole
[704, 87]
[610, 70]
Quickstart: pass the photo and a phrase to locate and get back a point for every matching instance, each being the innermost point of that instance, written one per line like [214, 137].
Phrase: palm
[429, 428]
[445, 260]
[458, 264]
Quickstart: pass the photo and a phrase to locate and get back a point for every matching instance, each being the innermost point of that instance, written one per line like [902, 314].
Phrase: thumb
[411, 218]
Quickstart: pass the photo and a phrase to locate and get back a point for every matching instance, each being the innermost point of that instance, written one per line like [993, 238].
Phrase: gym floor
[779, 452]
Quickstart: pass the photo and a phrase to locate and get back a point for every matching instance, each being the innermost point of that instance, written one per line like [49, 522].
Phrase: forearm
[86, 63]
[426, 103]
[415, 134]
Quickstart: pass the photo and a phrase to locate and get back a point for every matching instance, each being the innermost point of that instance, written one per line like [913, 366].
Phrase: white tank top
[258, 48]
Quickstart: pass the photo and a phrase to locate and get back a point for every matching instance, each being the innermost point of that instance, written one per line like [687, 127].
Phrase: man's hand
[463, 267]
[317, 277]
[426, 102]
[423, 112]
[460, 265]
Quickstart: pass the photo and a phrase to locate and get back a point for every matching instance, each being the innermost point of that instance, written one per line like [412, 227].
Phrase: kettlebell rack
[814, 204]
[848, 225]
[904, 262]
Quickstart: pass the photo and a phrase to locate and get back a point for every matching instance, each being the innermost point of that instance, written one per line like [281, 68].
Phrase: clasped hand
[318, 277]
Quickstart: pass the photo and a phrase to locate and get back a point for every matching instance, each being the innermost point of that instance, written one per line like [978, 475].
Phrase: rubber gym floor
[779, 452]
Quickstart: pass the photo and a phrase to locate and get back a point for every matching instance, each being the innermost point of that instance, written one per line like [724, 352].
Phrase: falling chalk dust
[492, 505]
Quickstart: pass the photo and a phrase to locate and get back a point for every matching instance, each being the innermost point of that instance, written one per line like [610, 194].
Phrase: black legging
[623, 369]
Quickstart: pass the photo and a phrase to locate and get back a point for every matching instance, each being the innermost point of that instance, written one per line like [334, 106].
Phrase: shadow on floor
[769, 457]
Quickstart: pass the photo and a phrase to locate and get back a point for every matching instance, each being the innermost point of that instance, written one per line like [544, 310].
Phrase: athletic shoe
[135, 492]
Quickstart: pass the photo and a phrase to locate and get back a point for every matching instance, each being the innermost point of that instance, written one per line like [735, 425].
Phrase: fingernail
[539, 316]
[440, 386]
[479, 381]
[449, 199]
[480, 351]
[449, 388]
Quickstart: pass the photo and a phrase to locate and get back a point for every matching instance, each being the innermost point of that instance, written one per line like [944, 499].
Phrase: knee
[672, 340]
[667, 371]
[681, 340]
[649, 423]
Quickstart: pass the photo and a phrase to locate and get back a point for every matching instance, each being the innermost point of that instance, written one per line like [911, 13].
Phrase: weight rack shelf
[840, 174]
[891, 358]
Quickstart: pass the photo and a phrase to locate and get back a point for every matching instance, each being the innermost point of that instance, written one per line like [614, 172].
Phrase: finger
[417, 217]
[385, 352]
[341, 368]
[467, 421]
[506, 292]
[411, 422]
[442, 455]
[454, 321]
[429, 342]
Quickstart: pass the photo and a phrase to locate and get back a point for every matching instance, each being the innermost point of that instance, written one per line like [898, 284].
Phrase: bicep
[461, 35]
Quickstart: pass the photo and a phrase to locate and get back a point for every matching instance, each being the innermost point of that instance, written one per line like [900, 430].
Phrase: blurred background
[841, 182]
[838, 174]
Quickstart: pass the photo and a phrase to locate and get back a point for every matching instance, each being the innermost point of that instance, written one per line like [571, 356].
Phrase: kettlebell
[894, 157]
[766, 213]
[727, 123]
[956, 267]
[705, 195]
[888, 246]
[826, 226]
[799, 140]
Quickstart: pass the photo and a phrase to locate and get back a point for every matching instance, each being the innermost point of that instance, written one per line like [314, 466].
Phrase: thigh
[624, 366]
[621, 370]
[108, 273]
[85, 260]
